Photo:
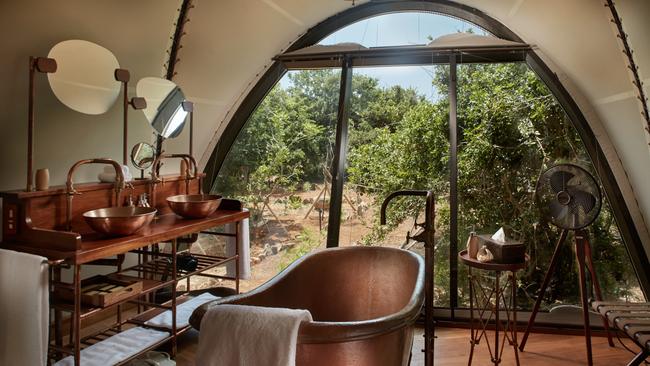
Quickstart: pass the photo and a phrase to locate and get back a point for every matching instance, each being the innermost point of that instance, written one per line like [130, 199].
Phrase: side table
[489, 303]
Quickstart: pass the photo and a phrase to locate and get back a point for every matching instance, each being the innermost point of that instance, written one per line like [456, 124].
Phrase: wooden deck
[452, 349]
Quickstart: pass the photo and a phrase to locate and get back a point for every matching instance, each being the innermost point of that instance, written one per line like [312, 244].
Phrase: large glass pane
[398, 131]
[510, 130]
[400, 29]
[277, 168]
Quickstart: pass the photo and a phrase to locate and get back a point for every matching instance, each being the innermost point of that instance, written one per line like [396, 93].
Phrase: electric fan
[569, 198]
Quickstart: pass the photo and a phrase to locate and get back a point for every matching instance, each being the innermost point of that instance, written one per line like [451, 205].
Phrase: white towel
[183, 312]
[24, 308]
[244, 246]
[240, 335]
[117, 348]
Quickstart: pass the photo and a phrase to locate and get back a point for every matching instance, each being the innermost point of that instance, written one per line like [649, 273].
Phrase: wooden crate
[102, 291]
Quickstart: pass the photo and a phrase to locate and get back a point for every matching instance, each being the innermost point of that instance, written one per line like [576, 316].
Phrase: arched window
[509, 127]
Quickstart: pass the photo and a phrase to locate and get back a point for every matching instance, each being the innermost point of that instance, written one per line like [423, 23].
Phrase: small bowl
[194, 206]
[119, 221]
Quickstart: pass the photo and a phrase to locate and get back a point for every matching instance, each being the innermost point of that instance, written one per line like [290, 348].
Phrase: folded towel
[240, 335]
[117, 348]
[244, 245]
[183, 312]
[24, 308]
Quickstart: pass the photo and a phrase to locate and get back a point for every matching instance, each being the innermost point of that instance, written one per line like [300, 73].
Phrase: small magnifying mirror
[142, 156]
[165, 109]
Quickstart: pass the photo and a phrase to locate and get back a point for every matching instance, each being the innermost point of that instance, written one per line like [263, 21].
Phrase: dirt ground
[289, 230]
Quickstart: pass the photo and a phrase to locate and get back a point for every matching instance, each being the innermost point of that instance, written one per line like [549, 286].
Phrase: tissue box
[510, 251]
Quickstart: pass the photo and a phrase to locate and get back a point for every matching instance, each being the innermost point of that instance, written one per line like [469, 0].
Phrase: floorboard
[452, 349]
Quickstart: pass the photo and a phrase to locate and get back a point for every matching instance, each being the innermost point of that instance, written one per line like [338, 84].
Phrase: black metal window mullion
[340, 152]
[453, 187]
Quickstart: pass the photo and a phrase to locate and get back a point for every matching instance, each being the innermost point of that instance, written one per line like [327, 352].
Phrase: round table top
[489, 266]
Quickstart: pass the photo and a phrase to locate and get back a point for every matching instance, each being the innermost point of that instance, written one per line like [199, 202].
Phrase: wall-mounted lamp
[43, 65]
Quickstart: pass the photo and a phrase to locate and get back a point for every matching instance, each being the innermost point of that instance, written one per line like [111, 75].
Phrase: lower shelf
[153, 328]
[115, 348]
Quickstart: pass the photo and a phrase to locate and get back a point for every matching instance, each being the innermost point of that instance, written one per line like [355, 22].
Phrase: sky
[399, 29]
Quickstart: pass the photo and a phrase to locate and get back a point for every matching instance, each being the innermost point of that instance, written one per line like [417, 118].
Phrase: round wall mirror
[84, 80]
[142, 155]
[165, 110]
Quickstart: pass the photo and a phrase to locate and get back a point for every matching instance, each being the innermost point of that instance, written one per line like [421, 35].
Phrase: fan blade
[581, 198]
[557, 210]
[559, 180]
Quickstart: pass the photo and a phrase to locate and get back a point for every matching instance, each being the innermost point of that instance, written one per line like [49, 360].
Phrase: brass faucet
[71, 192]
[155, 176]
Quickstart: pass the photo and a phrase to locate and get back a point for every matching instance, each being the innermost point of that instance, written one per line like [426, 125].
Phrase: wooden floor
[452, 349]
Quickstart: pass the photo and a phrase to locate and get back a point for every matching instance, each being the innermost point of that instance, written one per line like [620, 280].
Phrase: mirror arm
[123, 76]
[46, 66]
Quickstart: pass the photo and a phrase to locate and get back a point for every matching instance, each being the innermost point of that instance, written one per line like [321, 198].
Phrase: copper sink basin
[194, 206]
[119, 221]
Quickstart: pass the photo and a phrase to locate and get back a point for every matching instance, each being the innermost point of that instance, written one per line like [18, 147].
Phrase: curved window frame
[275, 72]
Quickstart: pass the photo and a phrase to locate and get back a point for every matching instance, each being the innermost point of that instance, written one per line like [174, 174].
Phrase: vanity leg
[174, 278]
[76, 316]
[237, 256]
[58, 315]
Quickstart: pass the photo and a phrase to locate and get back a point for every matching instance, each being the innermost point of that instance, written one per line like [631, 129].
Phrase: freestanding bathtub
[364, 302]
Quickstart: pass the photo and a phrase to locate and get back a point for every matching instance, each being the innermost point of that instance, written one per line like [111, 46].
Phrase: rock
[275, 249]
[307, 201]
[268, 250]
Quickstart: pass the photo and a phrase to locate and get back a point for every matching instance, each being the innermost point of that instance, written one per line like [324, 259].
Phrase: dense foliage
[510, 130]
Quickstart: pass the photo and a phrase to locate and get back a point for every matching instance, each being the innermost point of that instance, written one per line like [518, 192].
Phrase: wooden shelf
[161, 266]
[87, 311]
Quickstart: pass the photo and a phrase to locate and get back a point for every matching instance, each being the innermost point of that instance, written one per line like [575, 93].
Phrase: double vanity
[155, 219]
[33, 222]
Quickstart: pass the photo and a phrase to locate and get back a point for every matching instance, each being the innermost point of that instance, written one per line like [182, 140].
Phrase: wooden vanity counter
[163, 228]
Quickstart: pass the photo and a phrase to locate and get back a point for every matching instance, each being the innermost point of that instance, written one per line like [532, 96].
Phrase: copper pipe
[428, 238]
[125, 138]
[30, 126]
[71, 192]
[123, 76]
[192, 132]
[155, 174]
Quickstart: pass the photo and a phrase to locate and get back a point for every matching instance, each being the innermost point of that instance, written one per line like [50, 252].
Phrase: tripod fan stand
[570, 199]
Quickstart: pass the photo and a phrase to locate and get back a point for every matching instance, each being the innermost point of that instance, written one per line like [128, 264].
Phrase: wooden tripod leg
[542, 290]
[580, 254]
[594, 280]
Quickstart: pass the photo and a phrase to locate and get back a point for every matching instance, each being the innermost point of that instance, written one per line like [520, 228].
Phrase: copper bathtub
[364, 301]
